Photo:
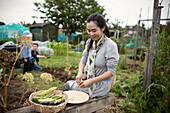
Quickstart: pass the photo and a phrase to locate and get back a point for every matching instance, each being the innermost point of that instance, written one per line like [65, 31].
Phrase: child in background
[26, 53]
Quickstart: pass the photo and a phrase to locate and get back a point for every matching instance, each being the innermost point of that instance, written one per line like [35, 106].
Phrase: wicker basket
[48, 108]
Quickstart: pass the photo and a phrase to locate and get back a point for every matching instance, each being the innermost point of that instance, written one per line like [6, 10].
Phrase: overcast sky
[126, 11]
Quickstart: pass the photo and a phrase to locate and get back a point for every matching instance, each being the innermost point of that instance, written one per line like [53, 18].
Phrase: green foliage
[122, 63]
[143, 50]
[56, 82]
[59, 47]
[151, 100]
[71, 14]
[125, 88]
[121, 88]
[7, 40]
[161, 61]
[116, 41]
[129, 86]
[156, 97]
[74, 76]
[119, 45]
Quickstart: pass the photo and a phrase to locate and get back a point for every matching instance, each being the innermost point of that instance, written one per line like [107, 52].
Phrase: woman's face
[94, 31]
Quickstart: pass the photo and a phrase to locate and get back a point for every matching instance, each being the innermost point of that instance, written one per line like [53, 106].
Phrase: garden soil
[15, 88]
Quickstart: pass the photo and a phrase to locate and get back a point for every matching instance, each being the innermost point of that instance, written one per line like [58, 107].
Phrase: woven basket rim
[35, 105]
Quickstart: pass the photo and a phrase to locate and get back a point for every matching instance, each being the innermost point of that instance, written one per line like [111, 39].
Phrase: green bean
[47, 91]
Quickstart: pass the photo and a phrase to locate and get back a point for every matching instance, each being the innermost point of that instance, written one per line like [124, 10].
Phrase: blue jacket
[26, 52]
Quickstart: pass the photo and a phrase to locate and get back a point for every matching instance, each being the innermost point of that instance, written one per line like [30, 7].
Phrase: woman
[99, 61]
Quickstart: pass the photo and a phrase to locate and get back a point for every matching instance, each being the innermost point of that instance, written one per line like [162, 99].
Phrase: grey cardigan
[106, 58]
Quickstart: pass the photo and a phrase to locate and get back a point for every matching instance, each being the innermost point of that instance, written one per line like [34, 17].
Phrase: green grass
[53, 62]
[61, 61]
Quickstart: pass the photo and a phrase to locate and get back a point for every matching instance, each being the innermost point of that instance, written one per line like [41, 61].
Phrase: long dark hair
[101, 23]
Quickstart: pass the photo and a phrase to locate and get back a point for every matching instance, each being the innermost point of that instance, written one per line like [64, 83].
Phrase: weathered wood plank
[27, 109]
[100, 111]
[92, 105]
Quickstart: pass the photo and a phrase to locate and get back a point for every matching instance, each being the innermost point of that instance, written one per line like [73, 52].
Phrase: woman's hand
[79, 78]
[86, 83]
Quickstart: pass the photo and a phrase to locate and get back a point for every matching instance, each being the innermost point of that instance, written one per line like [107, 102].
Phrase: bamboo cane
[5, 89]
[78, 46]
[10, 76]
[67, 49]
[17, 48]
[83, 40]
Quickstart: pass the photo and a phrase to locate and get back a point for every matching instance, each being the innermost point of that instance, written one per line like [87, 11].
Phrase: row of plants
[59, 47]
[128, 88]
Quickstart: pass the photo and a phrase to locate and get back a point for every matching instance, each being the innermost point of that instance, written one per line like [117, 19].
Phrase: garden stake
[10, 76]
[48, 39]
[83, 40]
[5, 83]
[78, 46]
[5, 89]
[39, 85]
[16, 48]
[22, 95]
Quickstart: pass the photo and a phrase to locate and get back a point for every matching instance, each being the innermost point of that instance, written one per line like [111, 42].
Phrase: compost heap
[6, 58]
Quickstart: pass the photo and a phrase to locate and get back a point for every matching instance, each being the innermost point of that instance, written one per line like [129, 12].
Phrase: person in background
[26, 53]
[35, 56]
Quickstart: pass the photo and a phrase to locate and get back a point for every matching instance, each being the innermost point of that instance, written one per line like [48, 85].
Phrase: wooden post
[118, 35]
[145, 70]
[48, 39]
[136, 44]
[136, 41]
[67, 47]
[78, 46]
[141, 51]
[145, 41]
[115, 34]
[152, 44]
[158, 24]
[126, 53]
[83, 40]
[16, 48]
[122, 43]
[78, 43]
[5, 90]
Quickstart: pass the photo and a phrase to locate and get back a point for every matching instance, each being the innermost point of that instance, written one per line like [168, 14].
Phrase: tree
[71, 14]
[116, 25]
[2, 23]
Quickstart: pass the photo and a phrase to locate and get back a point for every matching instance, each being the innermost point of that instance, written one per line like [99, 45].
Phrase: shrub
[119, 45]
[7, 40]
[59, 47]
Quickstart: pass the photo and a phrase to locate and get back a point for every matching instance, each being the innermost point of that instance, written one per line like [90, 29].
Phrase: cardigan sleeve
[112, 57]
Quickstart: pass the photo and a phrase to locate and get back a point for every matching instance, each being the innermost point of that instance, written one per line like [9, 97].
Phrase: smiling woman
[99, 60]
